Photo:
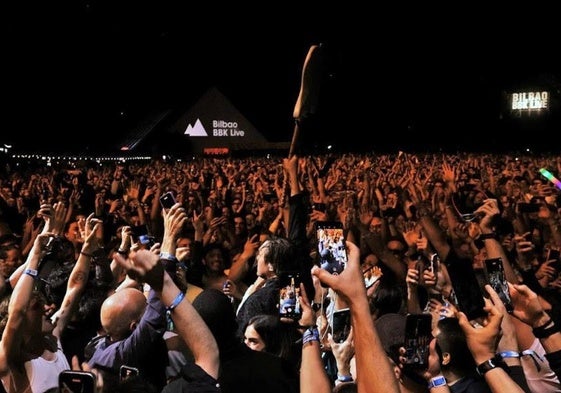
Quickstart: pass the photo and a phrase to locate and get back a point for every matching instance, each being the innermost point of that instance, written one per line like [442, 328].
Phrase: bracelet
[178, 299]
[485, 236]
[536, 358]
[122, 252]
[494, 362]
[546, 330]
[168, 256]
[509, 354]
[345, 378]
[31, 273]
[436, 382]
[311, 334]
[86, 254]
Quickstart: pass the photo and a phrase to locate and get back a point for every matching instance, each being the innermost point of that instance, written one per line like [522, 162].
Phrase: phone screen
[341, 324]
[167, 200]
[418, 335]
[497, 280]
[126, 372]
[70, 381]
[332, 250]
[289, 302]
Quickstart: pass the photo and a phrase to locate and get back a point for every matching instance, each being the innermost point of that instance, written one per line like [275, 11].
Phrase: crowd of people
[99, 277]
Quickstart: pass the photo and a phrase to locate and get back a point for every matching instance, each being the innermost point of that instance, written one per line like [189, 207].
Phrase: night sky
[401, 77]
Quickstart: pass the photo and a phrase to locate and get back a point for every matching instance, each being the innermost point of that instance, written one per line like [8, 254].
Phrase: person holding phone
[135, 324]
[202, 373]
[374, 372]
[278, 254]
[31, 353]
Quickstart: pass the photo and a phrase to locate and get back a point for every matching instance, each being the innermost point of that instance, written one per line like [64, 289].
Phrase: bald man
[134, 327]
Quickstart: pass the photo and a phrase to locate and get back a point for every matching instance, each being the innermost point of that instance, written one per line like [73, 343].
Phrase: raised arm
[78, 276]
[146, 266]
[373, 369]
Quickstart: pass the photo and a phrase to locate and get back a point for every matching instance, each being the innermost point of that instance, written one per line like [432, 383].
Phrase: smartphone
[468, 296]
[340, 324]
[434, 263]
[319, 206]
[528, 207]
[167, 200]
[126, 372]
[139, 230]
[331, 246]
[289, 292]
[71, 381]
[418, 335]
[496, 278]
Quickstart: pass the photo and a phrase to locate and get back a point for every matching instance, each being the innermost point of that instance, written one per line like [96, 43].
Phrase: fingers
[464, 322]
[76, 363]
[495, 299]
[323, 275]
[304, 295]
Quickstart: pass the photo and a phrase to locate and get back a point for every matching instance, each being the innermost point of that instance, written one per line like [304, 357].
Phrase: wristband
[168, 256]
[509, 354]
[436, 382]
[31, 273]
[546, 329]
[123, 252]
[485, 236]
[178, 299]
[536, 358]
[494, 362]
[86, 254]
[311, 334]
[345, 378]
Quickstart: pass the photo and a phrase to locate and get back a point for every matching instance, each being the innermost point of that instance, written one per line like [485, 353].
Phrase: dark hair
[274, 334]
[451, 339]
[388, 297]
[223, 250]
[345, 387]
[280, 253]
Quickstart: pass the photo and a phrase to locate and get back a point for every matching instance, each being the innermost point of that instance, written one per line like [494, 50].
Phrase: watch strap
[494, 362]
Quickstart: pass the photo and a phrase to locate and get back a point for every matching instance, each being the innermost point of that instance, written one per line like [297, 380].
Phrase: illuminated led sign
[530, 100]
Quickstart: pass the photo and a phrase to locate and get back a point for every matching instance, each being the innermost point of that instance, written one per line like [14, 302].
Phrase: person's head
[388, 297]
[451, 347]
[240, 227]
[216, 310]
[216, 258]
[250, 220]
[274, 255]
[262, 333]
[346, 387]
[121, 313]
[10, 259]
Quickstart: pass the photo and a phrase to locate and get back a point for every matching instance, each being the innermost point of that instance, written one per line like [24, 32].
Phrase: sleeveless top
[43, 374]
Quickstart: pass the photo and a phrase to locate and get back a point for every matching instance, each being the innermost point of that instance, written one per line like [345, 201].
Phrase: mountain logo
[196, 130]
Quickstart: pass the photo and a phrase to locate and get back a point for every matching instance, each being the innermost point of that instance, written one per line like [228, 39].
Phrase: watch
[494, 362]
[436, 382]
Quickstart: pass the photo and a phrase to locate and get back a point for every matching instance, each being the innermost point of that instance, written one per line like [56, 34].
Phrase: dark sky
[95, 69]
